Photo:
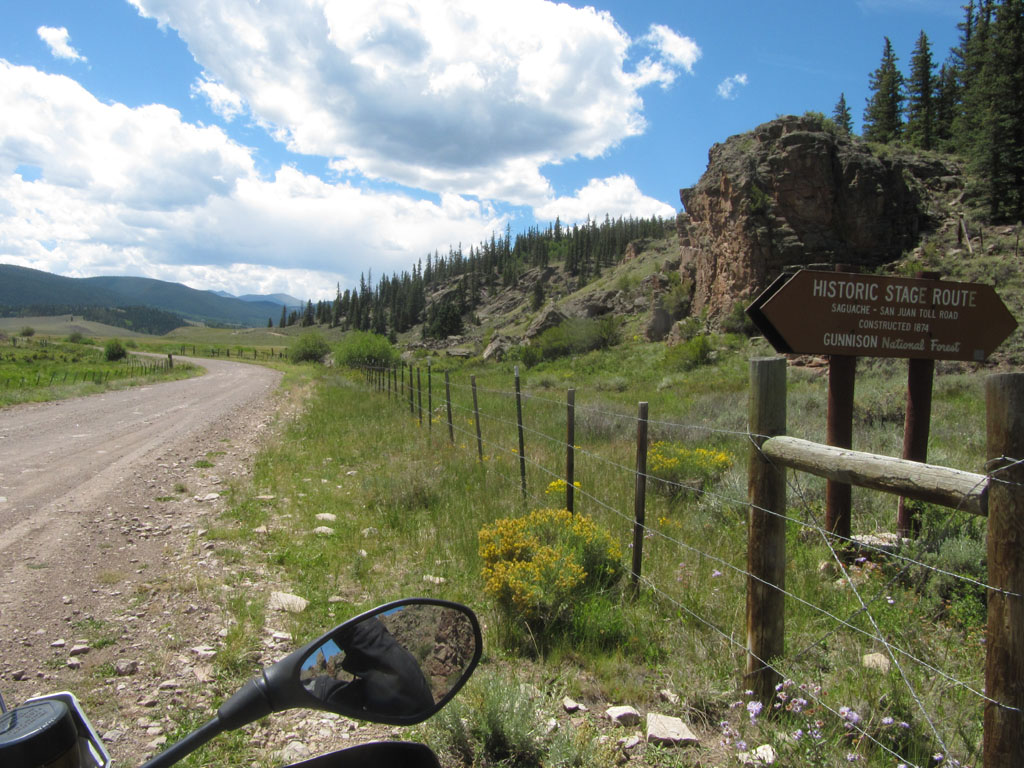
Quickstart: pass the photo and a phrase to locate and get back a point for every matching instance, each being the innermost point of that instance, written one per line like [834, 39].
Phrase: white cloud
[222, 100]
[452, 96]
[727, 88]
[677, 49]
[616, 196]
[139, 191]
[57, 38]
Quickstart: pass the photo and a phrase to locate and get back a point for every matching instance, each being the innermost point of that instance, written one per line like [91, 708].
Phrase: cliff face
[790, 193]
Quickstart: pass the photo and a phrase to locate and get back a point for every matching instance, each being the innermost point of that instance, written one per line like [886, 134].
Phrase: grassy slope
[65, 325]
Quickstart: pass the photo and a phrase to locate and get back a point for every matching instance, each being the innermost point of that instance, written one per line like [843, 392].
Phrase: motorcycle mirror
[397, 664]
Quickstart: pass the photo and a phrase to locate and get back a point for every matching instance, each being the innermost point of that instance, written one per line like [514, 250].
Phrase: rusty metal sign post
[846, 315]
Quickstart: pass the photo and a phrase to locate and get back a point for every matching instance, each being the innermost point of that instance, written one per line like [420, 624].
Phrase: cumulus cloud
[616, 196]
[117, 190]
[677, 49]
[444, 95]
[221, 99]
[727, 89]
[57, 38]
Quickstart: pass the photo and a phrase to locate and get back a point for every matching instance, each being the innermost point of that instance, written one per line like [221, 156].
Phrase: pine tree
[841, 115]
[284, 317]
[920, 127]
[947, 99]
[883, 115]
[1004, 126]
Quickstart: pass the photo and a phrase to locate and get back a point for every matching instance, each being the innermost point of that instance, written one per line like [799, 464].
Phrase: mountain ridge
[23, 288]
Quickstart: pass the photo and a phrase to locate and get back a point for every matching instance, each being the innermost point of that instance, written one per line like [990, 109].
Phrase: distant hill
[281, 299]
[22, 288]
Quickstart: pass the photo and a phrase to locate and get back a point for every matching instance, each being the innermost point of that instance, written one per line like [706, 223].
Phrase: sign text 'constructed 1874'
[841, 313]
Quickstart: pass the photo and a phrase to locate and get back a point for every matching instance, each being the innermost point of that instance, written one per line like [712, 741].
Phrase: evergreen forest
[970, 105]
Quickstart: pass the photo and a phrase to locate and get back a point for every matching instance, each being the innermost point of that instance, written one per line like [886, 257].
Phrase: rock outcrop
[792, 192]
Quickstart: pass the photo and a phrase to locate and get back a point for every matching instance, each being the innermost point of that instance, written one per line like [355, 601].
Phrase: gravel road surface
[99, 501]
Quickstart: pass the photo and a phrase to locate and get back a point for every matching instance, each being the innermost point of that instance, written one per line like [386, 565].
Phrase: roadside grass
[408, 503]
[40, 369]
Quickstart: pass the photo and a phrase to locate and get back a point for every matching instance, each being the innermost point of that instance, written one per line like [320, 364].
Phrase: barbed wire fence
[516, 429]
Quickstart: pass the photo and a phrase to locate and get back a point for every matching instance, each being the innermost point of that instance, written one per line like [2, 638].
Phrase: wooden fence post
[839, 427]
[476, 419]
[419, 395]
[412, 403]
[640, 495]
[522, 446]
[570, 450]
[1003, 740]
[430, 396]
[448, 400]
[766, 537]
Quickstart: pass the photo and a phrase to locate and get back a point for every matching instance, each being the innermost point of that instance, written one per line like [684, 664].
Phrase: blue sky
[286, 146]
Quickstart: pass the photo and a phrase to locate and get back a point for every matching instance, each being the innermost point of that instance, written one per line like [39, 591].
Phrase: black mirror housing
[397, 664]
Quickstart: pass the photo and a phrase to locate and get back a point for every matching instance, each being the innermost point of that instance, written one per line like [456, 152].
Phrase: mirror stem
[246, 706]
[186, 746]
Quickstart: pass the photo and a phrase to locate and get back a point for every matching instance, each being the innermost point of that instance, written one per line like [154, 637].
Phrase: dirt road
[99, 500]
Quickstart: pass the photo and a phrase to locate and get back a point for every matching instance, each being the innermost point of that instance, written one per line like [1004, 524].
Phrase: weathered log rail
[954, 488]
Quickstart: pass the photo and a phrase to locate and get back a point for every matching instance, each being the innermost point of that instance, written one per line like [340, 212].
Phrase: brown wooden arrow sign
[842, 313]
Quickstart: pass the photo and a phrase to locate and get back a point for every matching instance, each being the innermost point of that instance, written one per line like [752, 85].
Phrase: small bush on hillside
[361, 348]
[578, 335]
[310, 347]
[679, 296]
[690, 354]
[539, 567]
[76, 337]
[114, 350]
[526, 354]
[737, 321]
[27, 331]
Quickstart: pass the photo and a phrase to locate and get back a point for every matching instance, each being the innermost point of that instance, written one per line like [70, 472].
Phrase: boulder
[498, 348]
[792, 193]
[626, 716]
[668, 731]
[659, 323]
[549, 317]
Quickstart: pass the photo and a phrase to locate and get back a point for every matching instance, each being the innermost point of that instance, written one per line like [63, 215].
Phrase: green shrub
[538, 567]
[310, 347]
[76, 337]
[27, 331]
[114, 350]
[526, 354]
[950, 548]
[737, 320]
[359, 349]
[677, 469]
[578, 335]
[690, 354]
[679, 296]
[493, 722]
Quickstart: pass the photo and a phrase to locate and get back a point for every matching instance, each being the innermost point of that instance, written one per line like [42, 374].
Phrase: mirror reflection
[398, 663]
